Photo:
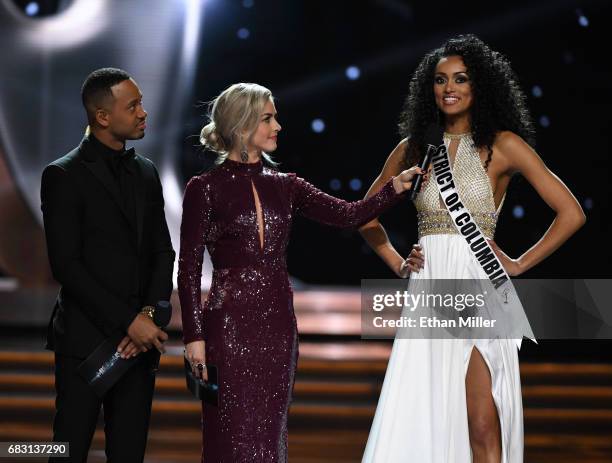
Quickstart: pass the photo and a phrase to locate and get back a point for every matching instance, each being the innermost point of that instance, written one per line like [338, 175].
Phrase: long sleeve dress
[248, 320]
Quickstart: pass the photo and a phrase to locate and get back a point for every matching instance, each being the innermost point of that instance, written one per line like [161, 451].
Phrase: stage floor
[567, 389]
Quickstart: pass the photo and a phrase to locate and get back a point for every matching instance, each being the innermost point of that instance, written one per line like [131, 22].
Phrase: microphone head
[434, 135]
[163, 313]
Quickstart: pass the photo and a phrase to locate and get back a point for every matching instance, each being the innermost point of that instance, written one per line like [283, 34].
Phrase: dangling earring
[244, 154]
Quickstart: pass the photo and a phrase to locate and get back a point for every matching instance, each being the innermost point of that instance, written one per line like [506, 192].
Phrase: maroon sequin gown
[248, 320]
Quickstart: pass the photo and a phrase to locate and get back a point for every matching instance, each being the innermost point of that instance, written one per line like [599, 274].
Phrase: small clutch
[206, 391]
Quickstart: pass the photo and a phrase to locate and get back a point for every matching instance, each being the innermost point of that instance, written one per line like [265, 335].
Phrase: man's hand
[146, 335]
[128, 349]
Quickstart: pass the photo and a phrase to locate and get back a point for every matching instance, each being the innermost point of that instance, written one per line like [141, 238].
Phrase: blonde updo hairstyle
[236, 110]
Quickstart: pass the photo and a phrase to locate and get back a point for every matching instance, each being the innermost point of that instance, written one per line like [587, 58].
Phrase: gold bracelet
[149, 311]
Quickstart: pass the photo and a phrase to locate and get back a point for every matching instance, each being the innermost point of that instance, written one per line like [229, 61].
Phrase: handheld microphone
[103, 368]
[162, 314]
[433, 139]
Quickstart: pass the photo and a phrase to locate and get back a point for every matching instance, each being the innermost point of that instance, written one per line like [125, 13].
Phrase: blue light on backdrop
[318, 125]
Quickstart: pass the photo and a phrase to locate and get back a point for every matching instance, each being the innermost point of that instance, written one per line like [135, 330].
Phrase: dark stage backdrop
[303, 51]
[340, 71]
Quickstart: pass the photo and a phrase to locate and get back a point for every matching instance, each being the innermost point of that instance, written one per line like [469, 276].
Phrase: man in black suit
[110, 250]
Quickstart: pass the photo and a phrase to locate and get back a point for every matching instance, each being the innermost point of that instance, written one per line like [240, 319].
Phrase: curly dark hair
[498, 101]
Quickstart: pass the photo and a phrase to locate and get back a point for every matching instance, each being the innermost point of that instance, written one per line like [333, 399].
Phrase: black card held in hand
[206, 391]
[104, 367]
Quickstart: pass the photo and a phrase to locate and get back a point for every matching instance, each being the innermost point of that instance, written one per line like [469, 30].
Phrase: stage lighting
[582, 19]
[355, 184]
[544, 121]
[32, 9]
[243, 33]
[518, 212]
[588, 203]
[536, 91]
[318, 125]
[248, 3]
[335, 184]
[42, 9]
[353, 72]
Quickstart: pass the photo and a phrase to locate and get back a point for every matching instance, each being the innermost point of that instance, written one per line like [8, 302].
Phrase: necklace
[457, 136]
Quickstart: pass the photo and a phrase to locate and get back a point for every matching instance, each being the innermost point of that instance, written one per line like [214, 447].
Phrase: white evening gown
[421, 415]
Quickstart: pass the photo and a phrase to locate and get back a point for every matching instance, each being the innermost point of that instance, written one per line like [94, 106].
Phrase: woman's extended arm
[314, 204]
[518, 156]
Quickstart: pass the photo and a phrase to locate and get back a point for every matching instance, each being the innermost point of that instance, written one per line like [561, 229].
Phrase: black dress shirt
[123, 168]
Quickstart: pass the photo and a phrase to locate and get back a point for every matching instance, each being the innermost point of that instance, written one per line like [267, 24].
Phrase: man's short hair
[97, 88]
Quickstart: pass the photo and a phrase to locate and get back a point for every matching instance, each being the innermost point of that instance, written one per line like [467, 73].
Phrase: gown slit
[493, 378]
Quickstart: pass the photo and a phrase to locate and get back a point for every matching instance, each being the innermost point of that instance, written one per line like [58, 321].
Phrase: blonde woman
[242, 211]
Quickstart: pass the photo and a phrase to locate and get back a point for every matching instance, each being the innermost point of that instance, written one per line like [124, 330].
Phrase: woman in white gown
[459, 400]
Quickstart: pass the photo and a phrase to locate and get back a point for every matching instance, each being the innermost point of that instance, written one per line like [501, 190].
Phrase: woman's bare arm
[374, 233]
[518, 156]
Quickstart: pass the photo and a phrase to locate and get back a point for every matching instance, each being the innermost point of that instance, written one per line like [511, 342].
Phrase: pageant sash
[505, 293]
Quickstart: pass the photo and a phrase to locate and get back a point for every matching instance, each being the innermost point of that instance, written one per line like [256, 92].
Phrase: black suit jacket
[108, 266]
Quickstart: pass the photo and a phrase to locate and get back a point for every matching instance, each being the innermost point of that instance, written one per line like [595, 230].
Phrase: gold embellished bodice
[474, 187]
